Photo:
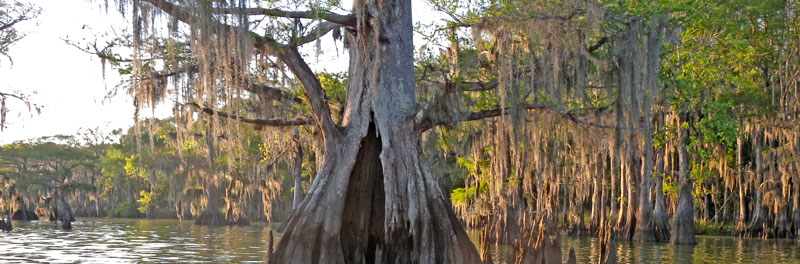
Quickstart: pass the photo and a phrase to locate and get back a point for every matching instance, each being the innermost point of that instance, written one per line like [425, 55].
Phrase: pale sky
[69, 84]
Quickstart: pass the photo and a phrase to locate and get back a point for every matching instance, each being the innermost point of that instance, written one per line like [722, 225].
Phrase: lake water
[134, 240]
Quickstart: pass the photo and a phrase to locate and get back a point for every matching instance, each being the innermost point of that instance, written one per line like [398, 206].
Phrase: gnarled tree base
[210, 217]
[25, 215]
[342, 219]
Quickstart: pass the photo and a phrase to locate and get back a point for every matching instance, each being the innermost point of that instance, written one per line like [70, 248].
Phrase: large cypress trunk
[211, 214]
[683, 231]
[374, 199]
[23, 212]
[644, 224]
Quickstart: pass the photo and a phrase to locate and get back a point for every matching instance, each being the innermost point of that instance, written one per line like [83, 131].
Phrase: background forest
[628, 120]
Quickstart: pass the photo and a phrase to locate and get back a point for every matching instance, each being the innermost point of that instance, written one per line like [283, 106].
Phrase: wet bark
[683, 231]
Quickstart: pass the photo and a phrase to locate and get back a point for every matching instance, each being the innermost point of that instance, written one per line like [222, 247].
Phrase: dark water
[171, 241]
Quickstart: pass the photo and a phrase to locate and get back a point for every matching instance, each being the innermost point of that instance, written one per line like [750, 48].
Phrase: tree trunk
[796, 206]
[298, 171]
[796, 194]
[756, 225]
[660, 221]
[64, 212]
[597, 197]
[374, 198]
[742, 215]
[644, 224]
[683, 231]
[782, 223]
[211, 214]
[23, 212]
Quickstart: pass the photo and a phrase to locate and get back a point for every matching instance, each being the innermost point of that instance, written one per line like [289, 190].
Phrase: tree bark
[298, 171]
[756, 225]
[742, 215]
[597, 196]
[683, 231]
[644, 224]
[211, 214]
[374, 198]
[64, 212]
[660, 221]
[796, 206]
[23, 212]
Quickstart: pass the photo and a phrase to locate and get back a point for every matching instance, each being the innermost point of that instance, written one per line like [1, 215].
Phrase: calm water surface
[133, 240]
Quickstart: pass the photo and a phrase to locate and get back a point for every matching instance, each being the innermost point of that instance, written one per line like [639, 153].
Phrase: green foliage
[669, 186]
[466, 195]
[718, 126]
[128, 210]
[145, 198]
[711, 229]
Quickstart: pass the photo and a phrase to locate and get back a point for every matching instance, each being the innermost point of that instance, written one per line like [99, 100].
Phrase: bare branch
[268, 92]
[321, 30]
[478, 86]
[344, 20]
[597, 45]
[312, 87]
[483, 114]
[263, 122]
[4, 26]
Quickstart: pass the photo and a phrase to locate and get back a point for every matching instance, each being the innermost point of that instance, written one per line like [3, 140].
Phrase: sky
[69, 84]
[66, 82]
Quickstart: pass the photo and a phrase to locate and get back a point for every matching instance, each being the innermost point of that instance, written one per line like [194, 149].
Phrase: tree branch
[597, 45]
[288, 54]
[268, 92]
[311, 86]
[478, 86]
[348, 20]
[483, 114]
[11, 24]
[263, 122]
[321, 30]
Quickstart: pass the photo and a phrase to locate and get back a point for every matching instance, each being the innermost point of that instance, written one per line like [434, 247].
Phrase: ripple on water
[170, 241]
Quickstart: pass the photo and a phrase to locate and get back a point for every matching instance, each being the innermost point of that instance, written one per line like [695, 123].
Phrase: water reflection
[170, 241]
[132, 240]
[708, 250]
